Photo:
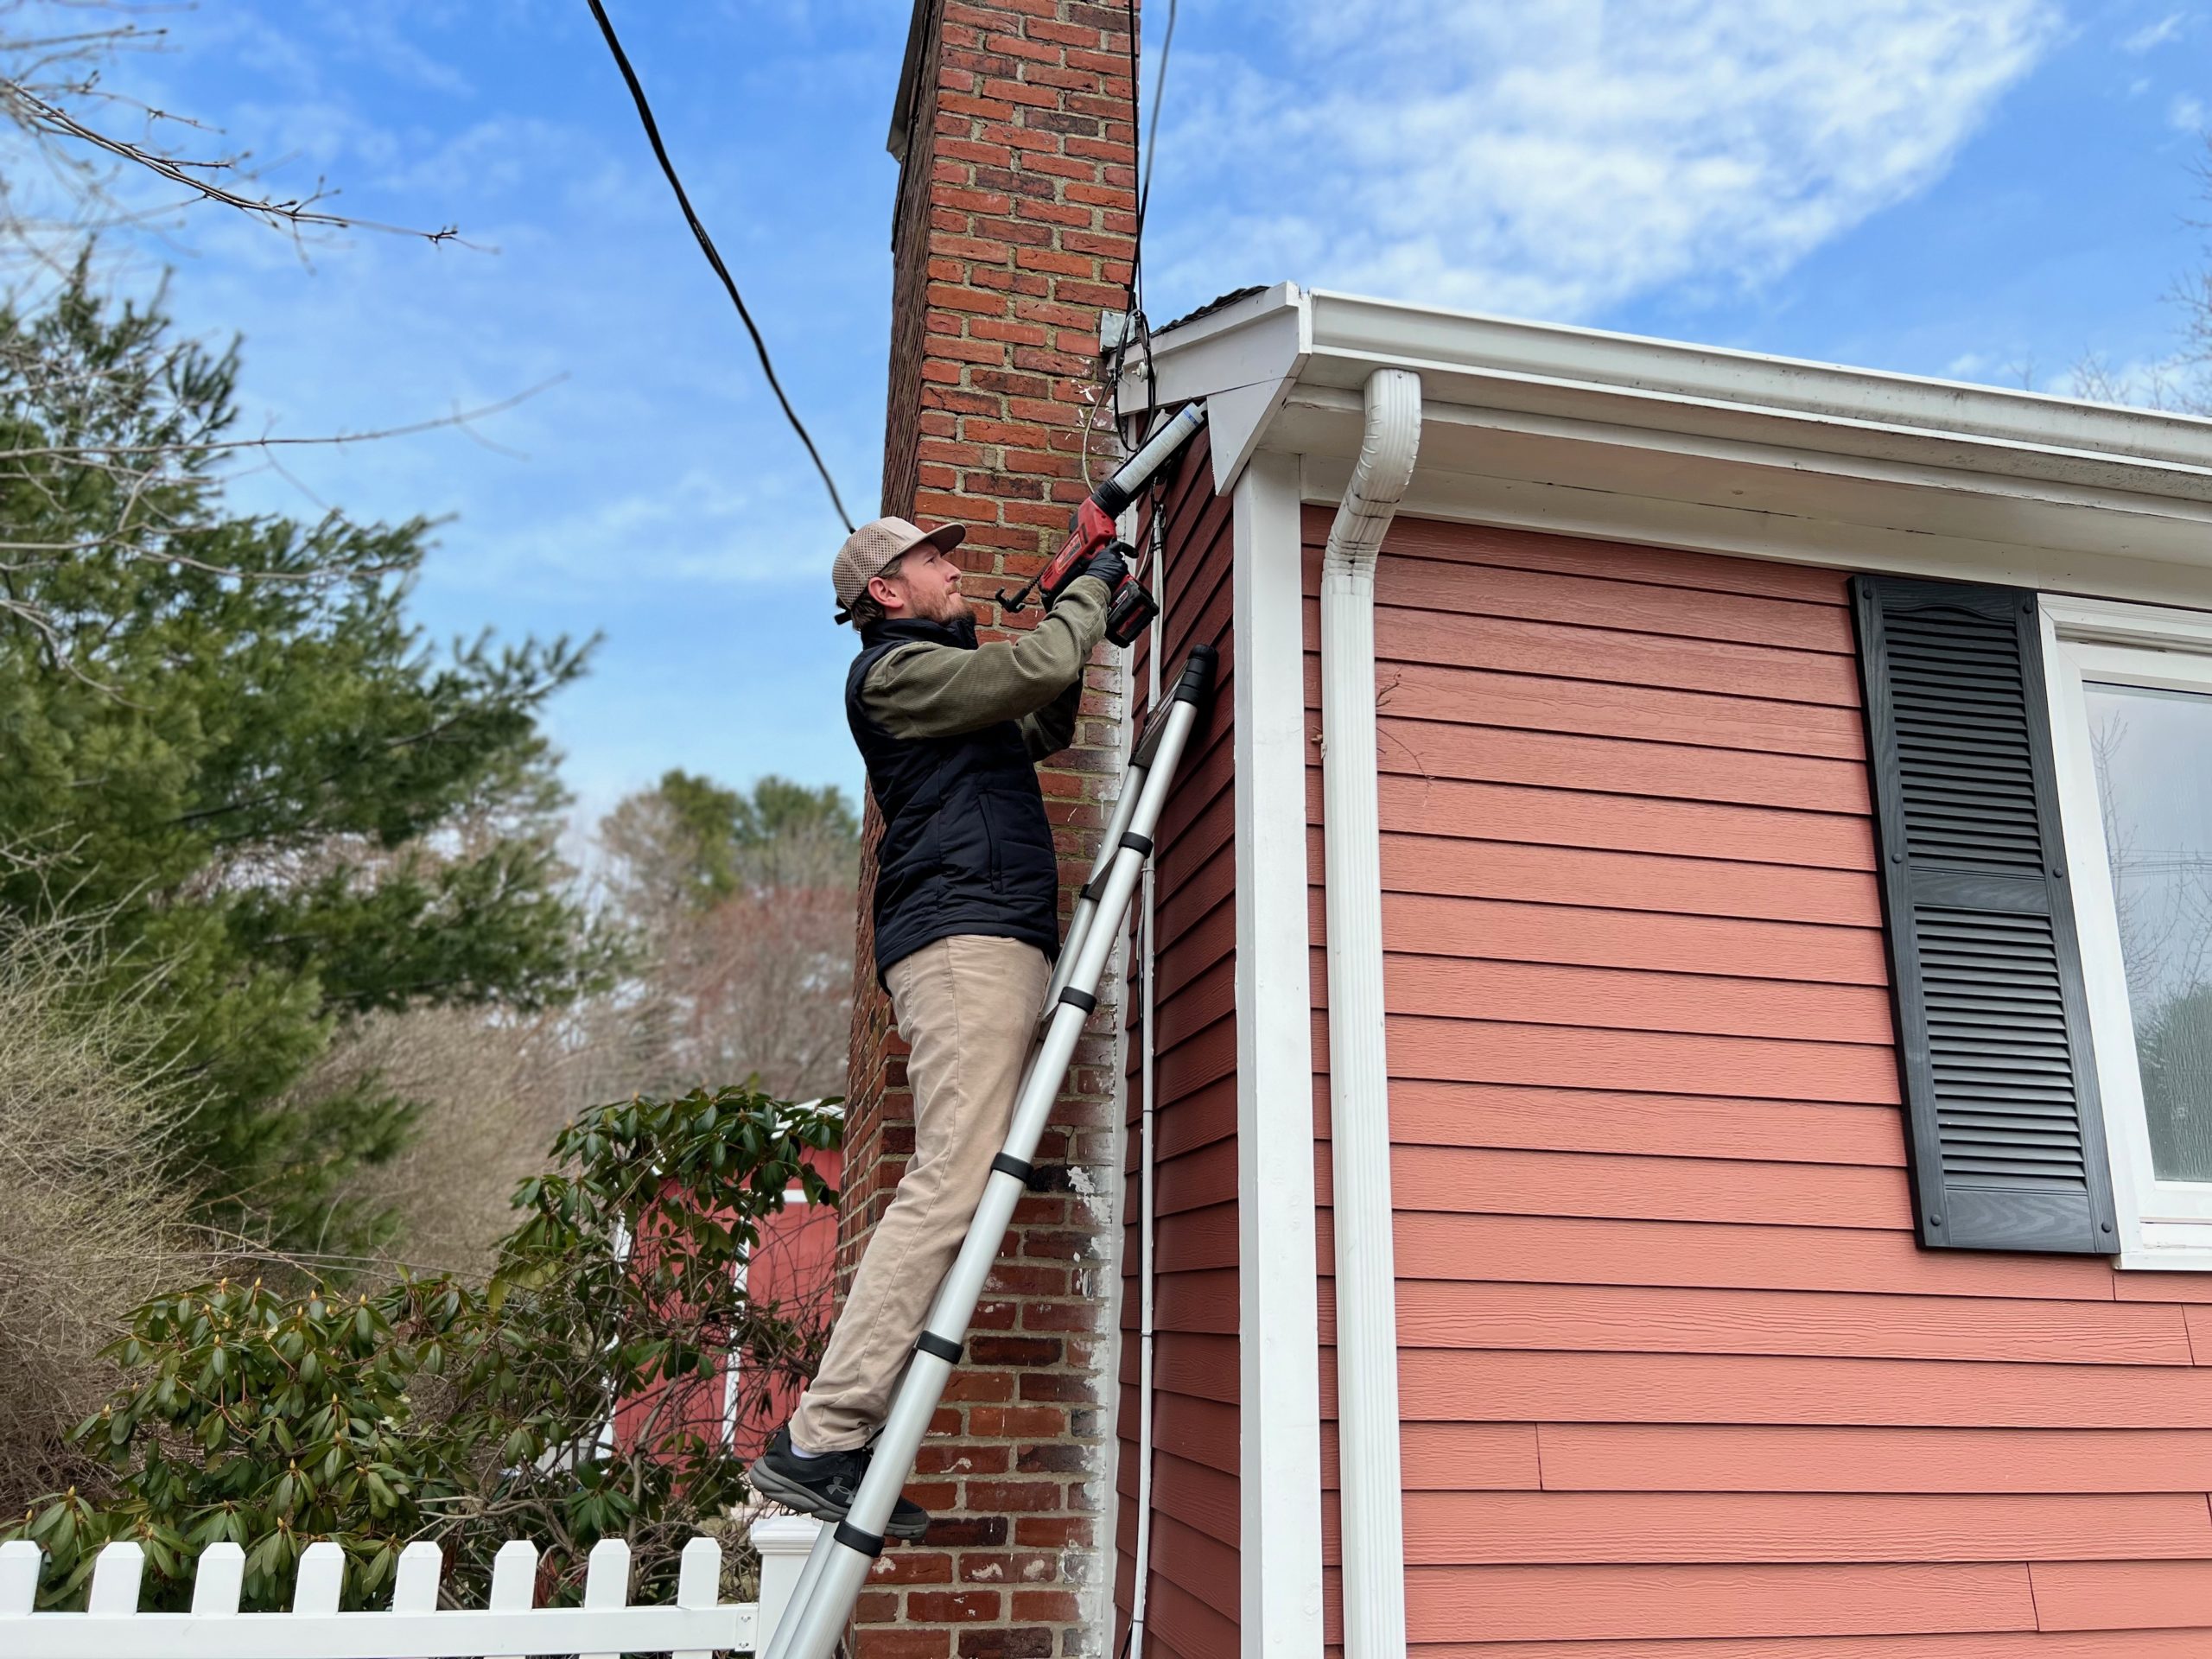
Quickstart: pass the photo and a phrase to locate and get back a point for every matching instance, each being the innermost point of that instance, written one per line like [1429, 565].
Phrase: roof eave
[1602, 434]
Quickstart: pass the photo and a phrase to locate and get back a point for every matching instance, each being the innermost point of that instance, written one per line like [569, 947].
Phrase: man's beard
[954, 607]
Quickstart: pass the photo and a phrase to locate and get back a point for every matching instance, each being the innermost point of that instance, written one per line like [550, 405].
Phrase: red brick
[952, 1606]
[1020, 230]
[1014, 1350]
[1017, 1421]
[911, 1567]
[1034, 1642]
[1061, 1316]
[1054, 1385]
[906, 1643]
[963, 1457]
[1016, 1279]
[967, 1531]
[1065, 1458]
[1067, 35]
[970, 1383]
[1014, 46]
[977, 109]
[1015, 1496]
[1053, 1531]
[1051, 1607]
[980, 300]
[1054, 212]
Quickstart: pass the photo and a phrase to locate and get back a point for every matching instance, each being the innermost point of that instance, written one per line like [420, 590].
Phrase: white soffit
[1576, 431]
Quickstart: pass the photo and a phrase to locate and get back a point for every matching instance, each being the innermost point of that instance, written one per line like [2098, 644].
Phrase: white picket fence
[414, 1627]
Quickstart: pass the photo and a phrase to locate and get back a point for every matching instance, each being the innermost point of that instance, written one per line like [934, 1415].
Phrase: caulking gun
[1134, 607]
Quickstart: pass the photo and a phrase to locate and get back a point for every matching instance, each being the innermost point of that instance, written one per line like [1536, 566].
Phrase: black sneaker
[825, 1486]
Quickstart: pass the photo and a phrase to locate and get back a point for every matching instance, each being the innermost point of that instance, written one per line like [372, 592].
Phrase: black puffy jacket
[966, 846]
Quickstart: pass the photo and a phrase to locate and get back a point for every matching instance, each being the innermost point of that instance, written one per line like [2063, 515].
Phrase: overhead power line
[713, 258]
[1134, 321]
[1151, 134]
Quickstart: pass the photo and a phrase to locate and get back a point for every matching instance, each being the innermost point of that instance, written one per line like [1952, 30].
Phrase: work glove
[1109, 564]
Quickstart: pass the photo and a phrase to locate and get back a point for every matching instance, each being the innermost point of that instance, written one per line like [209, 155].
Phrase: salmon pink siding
[1191, 1611]
[1675, 1378]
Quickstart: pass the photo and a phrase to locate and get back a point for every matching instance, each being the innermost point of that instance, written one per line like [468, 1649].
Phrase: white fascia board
[1493, 363]
[1581, 432]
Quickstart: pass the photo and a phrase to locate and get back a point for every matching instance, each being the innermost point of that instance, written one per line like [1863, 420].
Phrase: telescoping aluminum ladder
[838, 1567]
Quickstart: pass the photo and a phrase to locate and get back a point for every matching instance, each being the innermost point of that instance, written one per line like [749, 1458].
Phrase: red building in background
[793, 1271]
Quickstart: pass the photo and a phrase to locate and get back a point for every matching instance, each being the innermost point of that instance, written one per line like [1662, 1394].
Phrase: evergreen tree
[220, 731]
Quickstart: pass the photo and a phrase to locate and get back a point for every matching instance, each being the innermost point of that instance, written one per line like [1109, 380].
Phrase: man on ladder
[967, 924]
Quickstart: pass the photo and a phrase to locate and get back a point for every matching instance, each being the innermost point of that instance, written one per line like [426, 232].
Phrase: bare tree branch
[47, 80]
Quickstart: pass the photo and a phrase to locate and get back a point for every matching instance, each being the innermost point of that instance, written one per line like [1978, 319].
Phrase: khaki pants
[968, 1007]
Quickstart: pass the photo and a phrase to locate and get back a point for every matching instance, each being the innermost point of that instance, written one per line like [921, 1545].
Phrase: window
[2131, 715]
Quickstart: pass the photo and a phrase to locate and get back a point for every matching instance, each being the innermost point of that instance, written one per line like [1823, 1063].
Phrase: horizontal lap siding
[1191, 1602]
[1676, 1379]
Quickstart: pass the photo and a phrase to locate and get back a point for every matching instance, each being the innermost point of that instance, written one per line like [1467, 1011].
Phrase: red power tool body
[1093, 531]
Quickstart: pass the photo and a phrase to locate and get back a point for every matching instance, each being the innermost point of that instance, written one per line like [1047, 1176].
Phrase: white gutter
[1359, 1100]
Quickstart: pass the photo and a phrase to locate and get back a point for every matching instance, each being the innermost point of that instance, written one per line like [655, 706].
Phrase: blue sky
[1970, 188]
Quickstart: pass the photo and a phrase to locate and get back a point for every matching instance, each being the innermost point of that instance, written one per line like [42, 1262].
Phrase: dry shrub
[91, 1221]
[751, 982]
[761, 985]
[749, 977]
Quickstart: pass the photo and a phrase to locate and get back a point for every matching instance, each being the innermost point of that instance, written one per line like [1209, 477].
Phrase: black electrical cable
[713, 258]
[1132, 321]
[1133, 318]
[1152, 129]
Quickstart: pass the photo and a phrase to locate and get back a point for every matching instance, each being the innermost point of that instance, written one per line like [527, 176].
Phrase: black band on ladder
[1093, 891]
[1082, 1000]
[1136, 843]
[853, 1538]
[1007, 1164]
[1198, 675]
[938, 1348]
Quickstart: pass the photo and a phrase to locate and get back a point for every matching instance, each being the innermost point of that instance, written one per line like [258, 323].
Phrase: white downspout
[1359, 1102]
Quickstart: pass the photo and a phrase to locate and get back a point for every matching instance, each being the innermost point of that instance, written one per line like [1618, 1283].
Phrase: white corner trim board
[1279, 1414]
[1359, 1075]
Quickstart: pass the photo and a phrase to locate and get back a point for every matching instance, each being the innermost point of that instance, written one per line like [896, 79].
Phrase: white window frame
[2164, 1225]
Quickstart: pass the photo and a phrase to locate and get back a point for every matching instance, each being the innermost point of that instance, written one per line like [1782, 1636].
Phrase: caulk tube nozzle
[1117, 492]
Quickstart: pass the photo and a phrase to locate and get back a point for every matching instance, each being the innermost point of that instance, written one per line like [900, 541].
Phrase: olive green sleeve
[928, 690]
[1050, 729]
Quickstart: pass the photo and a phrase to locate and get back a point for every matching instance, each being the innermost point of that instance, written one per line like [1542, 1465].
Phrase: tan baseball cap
[871, 550]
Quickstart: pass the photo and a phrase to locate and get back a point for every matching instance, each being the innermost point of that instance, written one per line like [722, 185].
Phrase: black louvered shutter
[2007, 1142]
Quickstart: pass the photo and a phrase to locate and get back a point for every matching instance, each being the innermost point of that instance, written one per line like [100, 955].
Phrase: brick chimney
[1014, 227]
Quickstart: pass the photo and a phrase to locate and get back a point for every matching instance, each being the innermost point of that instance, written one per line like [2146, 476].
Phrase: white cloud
[2186, 114]
[374, 36]
[1557, 156]
[2166, 30]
